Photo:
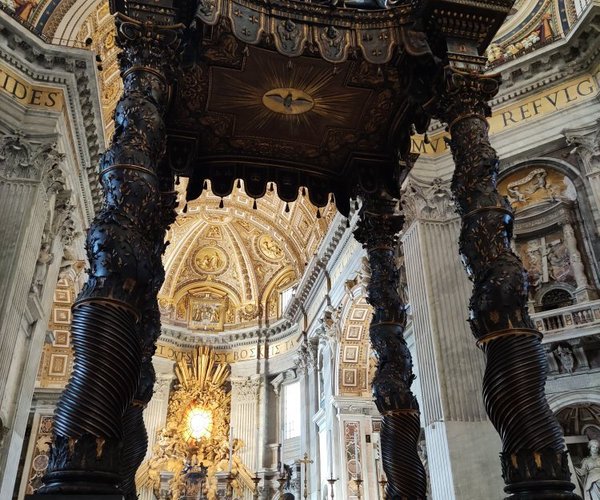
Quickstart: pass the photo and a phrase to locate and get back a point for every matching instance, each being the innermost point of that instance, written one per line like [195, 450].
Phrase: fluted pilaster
[450, 368]
[244, 417]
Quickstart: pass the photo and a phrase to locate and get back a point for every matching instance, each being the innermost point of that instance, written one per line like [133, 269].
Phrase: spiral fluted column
[107, 334]
[135, 436]
[534, 460]
[400, 427]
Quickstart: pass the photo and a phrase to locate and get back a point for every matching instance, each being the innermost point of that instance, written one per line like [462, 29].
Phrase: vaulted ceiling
[227, 263]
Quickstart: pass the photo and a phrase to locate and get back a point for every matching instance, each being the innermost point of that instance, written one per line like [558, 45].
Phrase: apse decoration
[227, 267]
[197, 438]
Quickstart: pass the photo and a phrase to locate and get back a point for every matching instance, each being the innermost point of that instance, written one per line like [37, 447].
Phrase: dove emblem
[288, 101]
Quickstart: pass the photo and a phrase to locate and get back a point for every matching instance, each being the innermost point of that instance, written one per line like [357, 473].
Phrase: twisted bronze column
[400, 428]
[534, 460]
[107, 340]
[135, 437]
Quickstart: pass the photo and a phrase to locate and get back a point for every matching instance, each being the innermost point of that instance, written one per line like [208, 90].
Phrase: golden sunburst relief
[197, 429]
[287, 99]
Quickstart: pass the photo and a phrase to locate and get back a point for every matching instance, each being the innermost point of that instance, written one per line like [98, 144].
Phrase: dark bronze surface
[342, 133]
[124, 245]
[300, 94]
[400, 426]
[534, 463]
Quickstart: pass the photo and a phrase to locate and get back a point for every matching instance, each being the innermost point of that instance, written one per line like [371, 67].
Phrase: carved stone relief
[534, 185]
[421, 201]
[245, 389]
[22, 159]
[586, 147]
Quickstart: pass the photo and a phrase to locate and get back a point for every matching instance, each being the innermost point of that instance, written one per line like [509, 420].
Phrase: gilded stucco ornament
[197, 431]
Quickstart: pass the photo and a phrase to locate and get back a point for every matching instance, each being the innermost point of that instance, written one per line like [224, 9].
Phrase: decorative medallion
[211, 260]
[40, 463]
[288, 101]
[269, 248]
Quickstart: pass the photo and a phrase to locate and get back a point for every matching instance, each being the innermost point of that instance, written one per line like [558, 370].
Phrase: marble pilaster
[585, 142]
[449, 365]
[244, 416]
[155, 414]
[35, 225]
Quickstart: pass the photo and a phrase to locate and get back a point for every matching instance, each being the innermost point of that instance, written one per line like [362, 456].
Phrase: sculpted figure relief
[270, 248]
[589, 473]
[44, 259]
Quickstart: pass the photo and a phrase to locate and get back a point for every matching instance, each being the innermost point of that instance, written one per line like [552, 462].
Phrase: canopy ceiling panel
[277, 95]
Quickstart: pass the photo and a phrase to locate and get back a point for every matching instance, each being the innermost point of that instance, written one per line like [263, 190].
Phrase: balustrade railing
[568, 318]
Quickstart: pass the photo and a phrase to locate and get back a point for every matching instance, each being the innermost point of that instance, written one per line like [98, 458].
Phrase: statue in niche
[589, 472]
[566, 358]
[559, 261]
[182, 309]
[533, 262]
[45, 258]
[272, 305]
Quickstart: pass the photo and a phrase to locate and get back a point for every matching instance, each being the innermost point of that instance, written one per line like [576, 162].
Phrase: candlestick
[279, 458]
[331, 482]
[282, 441]
[330, 454]
[256, 452]
[306, 461]
[282, 479]
[229, 486]
[383, 483]
[230, 449]
[255, 480]
[358, 482]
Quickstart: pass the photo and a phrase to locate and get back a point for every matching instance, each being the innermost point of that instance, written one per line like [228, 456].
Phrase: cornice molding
[74, 70]
[186, 339]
